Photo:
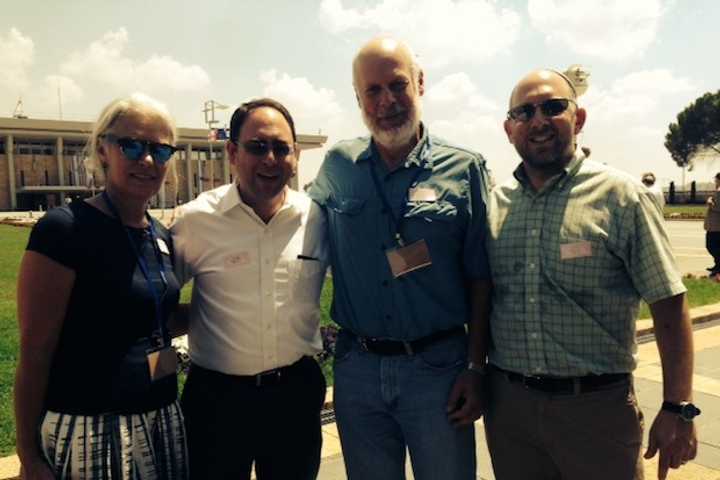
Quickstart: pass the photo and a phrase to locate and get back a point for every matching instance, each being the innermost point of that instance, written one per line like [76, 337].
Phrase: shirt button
[267, 261]
[531, 299]
[538, 369]
[534, 335]
[534, 232]
[267, 294]
[532, 266]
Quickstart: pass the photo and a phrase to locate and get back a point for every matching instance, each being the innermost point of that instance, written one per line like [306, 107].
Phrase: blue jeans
[384, 404]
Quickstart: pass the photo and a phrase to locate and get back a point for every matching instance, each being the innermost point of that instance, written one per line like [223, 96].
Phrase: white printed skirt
[146, 446]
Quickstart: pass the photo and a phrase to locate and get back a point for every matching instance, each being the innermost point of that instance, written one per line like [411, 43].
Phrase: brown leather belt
[399, 347]
[564, 386]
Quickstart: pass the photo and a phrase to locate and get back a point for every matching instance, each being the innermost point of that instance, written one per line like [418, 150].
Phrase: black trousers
[712, 243]
[231, 423]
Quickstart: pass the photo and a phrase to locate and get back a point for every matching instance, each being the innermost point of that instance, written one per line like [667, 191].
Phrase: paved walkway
[648, 382]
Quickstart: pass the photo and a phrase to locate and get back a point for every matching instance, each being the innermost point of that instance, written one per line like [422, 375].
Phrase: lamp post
[209, 111]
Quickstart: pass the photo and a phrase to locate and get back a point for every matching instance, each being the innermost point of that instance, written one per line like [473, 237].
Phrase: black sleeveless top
[110, 313]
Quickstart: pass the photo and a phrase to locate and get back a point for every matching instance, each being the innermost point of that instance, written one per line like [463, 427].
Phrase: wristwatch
[685, 410]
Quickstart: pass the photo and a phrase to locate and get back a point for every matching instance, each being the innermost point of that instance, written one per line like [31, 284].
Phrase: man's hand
[467, 400]
[676, 440]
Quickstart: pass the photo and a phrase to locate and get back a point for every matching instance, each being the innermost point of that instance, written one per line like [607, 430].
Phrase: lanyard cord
[161, 332]
[397, 222]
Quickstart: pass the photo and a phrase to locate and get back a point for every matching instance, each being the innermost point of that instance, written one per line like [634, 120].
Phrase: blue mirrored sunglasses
[134, 149]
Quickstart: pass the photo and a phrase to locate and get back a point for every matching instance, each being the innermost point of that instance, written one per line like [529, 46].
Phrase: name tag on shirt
[421, 194]
[163, 246]
[235, 260]
[411, 257]
[569, 251]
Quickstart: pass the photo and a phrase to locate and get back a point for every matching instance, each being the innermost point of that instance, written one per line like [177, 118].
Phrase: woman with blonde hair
[96, 386]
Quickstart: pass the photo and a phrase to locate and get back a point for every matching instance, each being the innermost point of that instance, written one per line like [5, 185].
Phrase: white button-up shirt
[256, 286]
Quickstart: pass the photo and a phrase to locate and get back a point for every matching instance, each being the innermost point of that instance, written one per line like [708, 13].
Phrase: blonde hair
[137, 102]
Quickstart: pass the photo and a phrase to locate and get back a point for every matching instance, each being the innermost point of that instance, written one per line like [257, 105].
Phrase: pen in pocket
[305, 257]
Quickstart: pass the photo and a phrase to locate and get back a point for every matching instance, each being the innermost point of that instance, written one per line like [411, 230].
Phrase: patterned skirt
[146, 446]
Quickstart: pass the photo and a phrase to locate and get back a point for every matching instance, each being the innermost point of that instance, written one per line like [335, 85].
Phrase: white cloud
[69, 91]
[440, 31]
[17, 56]
[637, 94]
[611, 30]
[309, 106]
[104, 61]
[457, 87]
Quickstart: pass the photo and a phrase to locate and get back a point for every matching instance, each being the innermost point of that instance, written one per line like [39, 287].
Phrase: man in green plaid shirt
[574, 245]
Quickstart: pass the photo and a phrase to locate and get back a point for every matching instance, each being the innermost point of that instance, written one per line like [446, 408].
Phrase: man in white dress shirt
[256, 252]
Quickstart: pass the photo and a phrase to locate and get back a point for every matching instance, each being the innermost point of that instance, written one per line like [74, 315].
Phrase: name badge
[569, 251]
[411, 257]
[236, 260]
[421, 194]
[162, 363]
[163, 246]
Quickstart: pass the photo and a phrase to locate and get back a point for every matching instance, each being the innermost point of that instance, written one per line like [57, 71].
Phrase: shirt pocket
[346, 219]
[430, 220]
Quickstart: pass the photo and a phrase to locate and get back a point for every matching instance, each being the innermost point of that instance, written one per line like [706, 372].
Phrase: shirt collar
[558, 181]
[419, 156]
[231, 199]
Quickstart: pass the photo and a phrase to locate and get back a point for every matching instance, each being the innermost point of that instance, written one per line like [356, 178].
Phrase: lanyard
[397, 221]
[144, 268]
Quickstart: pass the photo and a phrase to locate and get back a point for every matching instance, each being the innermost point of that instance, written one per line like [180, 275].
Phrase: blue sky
[648, 59]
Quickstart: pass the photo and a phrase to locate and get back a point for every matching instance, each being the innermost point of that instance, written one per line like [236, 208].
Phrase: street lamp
[209, 111]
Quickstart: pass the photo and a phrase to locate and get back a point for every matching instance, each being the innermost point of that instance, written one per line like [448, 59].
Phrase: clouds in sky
[440, 31]
[17, 58]
[611, 30]
[104, 61]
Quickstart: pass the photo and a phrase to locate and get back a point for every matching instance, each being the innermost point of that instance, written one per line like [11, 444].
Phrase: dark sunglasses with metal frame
[134, 149]
[549, 108]
[261, 148]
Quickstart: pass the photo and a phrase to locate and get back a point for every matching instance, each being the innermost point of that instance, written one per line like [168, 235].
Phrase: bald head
[382, 50]
[551, 79]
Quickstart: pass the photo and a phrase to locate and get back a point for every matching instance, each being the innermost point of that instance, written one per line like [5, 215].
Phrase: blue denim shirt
[367, 299]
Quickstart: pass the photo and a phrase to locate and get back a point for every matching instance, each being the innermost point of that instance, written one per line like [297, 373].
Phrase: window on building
[34, 147]
[22, 178]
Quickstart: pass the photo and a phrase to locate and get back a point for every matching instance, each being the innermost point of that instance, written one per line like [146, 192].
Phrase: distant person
[406, 218]
[96, 388]
[257, 254]
[712, 227]
[648, 179]
[573, 247]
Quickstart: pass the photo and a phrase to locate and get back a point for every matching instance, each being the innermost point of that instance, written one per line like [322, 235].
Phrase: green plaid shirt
[570, 264]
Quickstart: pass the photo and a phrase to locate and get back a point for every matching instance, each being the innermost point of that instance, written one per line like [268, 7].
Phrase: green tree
[697, 130]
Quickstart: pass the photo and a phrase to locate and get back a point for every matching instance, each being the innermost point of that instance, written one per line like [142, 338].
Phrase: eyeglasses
[134, 149]
[261, 148]
[549, 108]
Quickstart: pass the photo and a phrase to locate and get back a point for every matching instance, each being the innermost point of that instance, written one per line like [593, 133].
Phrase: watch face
[688, 411]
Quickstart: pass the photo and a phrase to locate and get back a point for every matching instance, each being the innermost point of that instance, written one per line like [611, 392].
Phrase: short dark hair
[241, 113]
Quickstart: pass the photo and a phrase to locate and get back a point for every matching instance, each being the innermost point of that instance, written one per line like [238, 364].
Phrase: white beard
[395, 137]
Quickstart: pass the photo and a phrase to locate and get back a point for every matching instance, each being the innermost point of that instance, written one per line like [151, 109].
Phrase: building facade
[42, 164]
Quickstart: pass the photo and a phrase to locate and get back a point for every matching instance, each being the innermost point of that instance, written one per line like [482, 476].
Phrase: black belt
[262, 379]
[568, 385]
[399, 347]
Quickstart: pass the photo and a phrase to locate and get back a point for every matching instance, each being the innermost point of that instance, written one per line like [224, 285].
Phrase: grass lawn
[685, 211]
[12, 244]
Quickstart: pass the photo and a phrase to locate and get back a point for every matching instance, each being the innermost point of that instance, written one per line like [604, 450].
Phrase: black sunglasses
[134, 149]
[549, 108]
[261, 148]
